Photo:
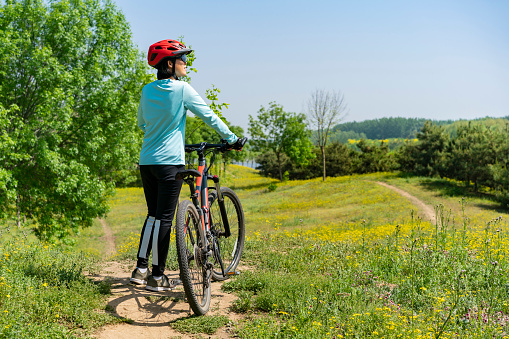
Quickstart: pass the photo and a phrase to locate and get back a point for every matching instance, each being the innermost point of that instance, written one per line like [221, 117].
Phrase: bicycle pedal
[233, 273]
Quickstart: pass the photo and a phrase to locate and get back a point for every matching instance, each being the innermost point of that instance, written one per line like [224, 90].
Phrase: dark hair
[163, 70]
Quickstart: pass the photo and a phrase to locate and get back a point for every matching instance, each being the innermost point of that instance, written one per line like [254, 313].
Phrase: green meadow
[344, 258]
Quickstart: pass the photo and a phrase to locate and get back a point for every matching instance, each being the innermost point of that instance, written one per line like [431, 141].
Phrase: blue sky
[429, 59]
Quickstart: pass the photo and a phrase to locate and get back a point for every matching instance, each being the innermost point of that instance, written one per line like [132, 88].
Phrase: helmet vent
[158, 47]
[154, 55]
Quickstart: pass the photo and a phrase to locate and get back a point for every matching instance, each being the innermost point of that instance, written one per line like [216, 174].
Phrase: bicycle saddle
[181, 175]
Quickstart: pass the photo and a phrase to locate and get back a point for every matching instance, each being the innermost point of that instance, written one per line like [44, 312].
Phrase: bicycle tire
[195, 277]
[230, 248]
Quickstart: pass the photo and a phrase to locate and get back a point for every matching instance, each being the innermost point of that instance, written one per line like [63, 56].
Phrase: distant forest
[386, 128]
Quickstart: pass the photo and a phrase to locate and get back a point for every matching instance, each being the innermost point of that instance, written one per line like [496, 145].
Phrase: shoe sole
[158, 289]
[138, 281]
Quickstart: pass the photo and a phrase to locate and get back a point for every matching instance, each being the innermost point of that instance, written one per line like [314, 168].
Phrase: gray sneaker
[160, 285]
[139, 278]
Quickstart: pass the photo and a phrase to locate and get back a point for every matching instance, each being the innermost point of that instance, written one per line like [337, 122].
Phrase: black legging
[162, 195]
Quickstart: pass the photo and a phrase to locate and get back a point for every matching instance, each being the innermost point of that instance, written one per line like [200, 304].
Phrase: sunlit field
[350, 207]
[342, 203]
[350, 258]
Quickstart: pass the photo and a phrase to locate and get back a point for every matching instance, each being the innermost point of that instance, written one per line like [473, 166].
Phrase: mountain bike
[210, 228]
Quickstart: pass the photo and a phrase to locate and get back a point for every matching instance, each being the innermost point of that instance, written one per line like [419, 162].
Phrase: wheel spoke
[191, 263]
[229, 248]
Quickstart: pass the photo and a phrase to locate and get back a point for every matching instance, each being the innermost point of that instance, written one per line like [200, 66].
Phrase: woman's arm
[194, 103]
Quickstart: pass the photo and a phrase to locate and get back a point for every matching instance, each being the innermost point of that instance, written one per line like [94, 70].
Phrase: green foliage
[43, 292]
[476, 153]
[385, 128]
[374, 158]
[243, 302]
[7, 181]
[70, 82]
[490, 123]
[205, 324]
[272, 187]
[282, 133]
[470, 153]
[405, 128]
[342, 137]
[392, 143]
[286, 176]
[198, 131]
[341, 160]
[426, 157]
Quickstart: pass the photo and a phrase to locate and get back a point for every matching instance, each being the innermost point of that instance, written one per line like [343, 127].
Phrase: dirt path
[109, 238]
[427, 210]
[151, 312]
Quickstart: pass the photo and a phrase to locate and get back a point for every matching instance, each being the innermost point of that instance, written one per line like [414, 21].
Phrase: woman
[162, 116]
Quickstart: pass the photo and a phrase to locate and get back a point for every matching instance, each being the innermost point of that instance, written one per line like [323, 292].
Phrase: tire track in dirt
[428, 211]
[109, 238]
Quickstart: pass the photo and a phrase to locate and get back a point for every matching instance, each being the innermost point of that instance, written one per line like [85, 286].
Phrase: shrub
[272, 187]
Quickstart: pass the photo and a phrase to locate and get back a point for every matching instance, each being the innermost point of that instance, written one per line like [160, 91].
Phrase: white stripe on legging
[143, 253]
[155, 257]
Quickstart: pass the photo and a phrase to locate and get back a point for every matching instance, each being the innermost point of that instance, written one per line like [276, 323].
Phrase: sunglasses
[183, 57]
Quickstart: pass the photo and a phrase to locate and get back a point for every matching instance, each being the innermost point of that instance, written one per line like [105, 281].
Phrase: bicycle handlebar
[223, 147]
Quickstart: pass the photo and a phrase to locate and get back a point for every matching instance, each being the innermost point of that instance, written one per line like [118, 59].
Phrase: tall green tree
[280, 132]
[374, 158]
[499, 170]
[70, 82]
[427, 156]
[471, 153]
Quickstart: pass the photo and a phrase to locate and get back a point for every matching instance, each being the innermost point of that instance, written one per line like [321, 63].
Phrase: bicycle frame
[201, 234]
[200, 193]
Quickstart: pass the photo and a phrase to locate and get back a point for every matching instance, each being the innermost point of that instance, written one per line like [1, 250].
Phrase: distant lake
[250, 163]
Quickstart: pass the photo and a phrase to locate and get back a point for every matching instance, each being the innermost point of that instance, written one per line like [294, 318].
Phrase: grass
[89, 240]
[424, 282]
[340, 202]
[43, 293]
[205, 324]
[455, 198]
[351, 259]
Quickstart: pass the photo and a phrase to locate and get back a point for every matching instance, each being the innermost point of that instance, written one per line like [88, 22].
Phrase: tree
[281, 133]
[471, 153]
[70, 83]
[325, 109]
[426, 157]
[201, 132]
[500, 169]
[374, 158]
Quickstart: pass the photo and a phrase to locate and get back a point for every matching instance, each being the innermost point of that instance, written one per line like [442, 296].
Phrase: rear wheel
[193, 272]
[229, 249]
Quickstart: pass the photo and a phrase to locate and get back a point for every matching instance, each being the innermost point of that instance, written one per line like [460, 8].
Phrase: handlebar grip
[239, 144]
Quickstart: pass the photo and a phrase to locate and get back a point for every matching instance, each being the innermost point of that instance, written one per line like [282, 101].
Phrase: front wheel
[228, 249]
[194, 271]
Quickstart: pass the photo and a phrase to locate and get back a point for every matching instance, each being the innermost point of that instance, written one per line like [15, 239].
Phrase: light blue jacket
[162, 116]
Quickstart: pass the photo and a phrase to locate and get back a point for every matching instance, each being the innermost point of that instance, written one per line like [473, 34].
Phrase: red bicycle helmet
[165, 48]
